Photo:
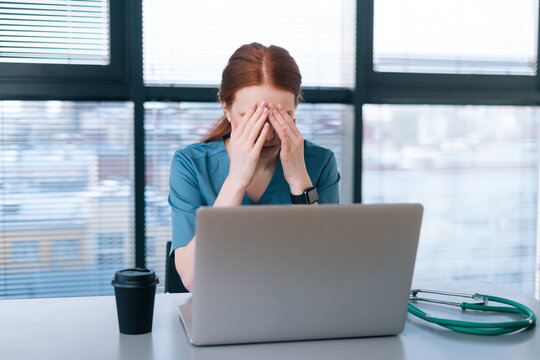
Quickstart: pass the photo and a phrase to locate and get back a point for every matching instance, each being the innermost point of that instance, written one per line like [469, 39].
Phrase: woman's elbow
[188, 285]
[183, 269]
[187, 281]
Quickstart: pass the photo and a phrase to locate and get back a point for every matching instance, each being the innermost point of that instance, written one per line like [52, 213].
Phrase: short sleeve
[185, 198]
[328, 184]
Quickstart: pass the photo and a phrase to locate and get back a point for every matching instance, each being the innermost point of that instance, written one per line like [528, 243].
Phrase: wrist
[231, 193]
[234, 186]
[297, 188]
[308, 197]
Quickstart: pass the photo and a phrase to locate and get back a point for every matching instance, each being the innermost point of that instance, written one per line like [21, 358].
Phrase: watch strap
[309, 196]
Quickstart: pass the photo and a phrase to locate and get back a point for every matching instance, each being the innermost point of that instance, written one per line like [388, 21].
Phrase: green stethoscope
[476, 328]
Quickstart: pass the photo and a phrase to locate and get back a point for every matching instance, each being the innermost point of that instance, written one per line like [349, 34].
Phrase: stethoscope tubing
[481, 328]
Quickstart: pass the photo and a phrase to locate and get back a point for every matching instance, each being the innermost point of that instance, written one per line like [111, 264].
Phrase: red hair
[250, 65]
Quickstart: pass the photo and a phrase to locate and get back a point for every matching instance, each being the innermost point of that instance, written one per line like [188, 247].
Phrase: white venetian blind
[55, 32]
[456, 37]
[475, 170]
[66, 202]
[189, 42]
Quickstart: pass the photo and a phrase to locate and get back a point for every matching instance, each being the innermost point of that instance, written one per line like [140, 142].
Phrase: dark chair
[173, 283]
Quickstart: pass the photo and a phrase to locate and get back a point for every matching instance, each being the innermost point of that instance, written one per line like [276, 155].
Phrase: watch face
[312, 196]
[309, 196]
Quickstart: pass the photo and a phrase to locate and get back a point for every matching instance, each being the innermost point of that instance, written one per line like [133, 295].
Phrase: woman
[254, 154]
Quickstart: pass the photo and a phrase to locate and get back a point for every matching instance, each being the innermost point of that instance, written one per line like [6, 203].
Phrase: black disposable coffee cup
[135, 290]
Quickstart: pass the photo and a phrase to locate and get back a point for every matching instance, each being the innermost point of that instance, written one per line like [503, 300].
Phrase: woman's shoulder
[198, 151]
[313, 150]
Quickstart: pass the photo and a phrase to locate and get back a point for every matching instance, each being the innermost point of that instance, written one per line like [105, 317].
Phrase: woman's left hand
[292, 149]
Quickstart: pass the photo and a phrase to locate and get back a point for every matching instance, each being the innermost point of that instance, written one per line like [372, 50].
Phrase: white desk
[86, 328]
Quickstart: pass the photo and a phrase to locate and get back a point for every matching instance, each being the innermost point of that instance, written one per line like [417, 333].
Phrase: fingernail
[266, 125]
[265, 110]
[270, 112]
[262, 103]
[253, 105]
[272, 106]
[280, 107]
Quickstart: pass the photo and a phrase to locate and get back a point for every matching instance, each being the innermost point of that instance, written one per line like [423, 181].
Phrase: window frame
[477, 89]
[73, 82]
[65, 72]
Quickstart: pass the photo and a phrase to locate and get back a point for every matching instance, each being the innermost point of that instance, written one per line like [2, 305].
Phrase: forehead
[255, 94]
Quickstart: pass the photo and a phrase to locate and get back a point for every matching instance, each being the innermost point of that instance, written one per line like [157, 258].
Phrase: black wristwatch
[309, 196]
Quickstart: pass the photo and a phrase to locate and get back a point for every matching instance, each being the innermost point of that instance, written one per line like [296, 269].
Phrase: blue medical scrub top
[199, 170]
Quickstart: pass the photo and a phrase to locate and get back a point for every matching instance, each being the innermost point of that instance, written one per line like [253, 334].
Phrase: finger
[275, 123]
[233, 128]
[274, 112]
[256, 129]
[288, 119]
[245, 119]
[262, 138]
[285, 145]
[253, 118]
[283, 122]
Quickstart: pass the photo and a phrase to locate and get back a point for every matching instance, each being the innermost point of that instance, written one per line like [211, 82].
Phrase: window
[67, 186]
[65, 250]
[456, 37]
[475, 170]
[113, 248]
[319, 34]
[55, 32]
[71, 207]
[24, 251]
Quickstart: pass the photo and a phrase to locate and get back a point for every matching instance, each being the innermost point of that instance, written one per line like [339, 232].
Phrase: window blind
[475, 170]
[55, 32]
[66, 203]
[172, 126]
[456, 37]
[189, 42]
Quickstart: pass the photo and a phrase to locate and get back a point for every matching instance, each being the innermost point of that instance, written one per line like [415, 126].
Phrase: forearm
[184, 261]
[229, 195]
[298, 187]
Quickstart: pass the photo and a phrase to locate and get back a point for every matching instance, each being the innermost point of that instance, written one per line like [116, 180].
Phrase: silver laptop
[281, 273]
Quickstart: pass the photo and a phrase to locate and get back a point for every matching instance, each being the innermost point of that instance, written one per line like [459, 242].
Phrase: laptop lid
[278, 273]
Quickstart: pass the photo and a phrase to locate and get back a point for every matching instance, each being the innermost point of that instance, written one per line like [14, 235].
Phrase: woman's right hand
[246, 142]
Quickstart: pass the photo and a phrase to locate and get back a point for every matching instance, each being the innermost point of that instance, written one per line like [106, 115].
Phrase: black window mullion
[209, 94]
[364, 69]
[181, 93]
[135, 51]
[538, 53]
[75, 92]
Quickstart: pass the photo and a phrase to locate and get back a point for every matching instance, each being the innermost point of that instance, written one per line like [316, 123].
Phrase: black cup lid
[135, 277]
